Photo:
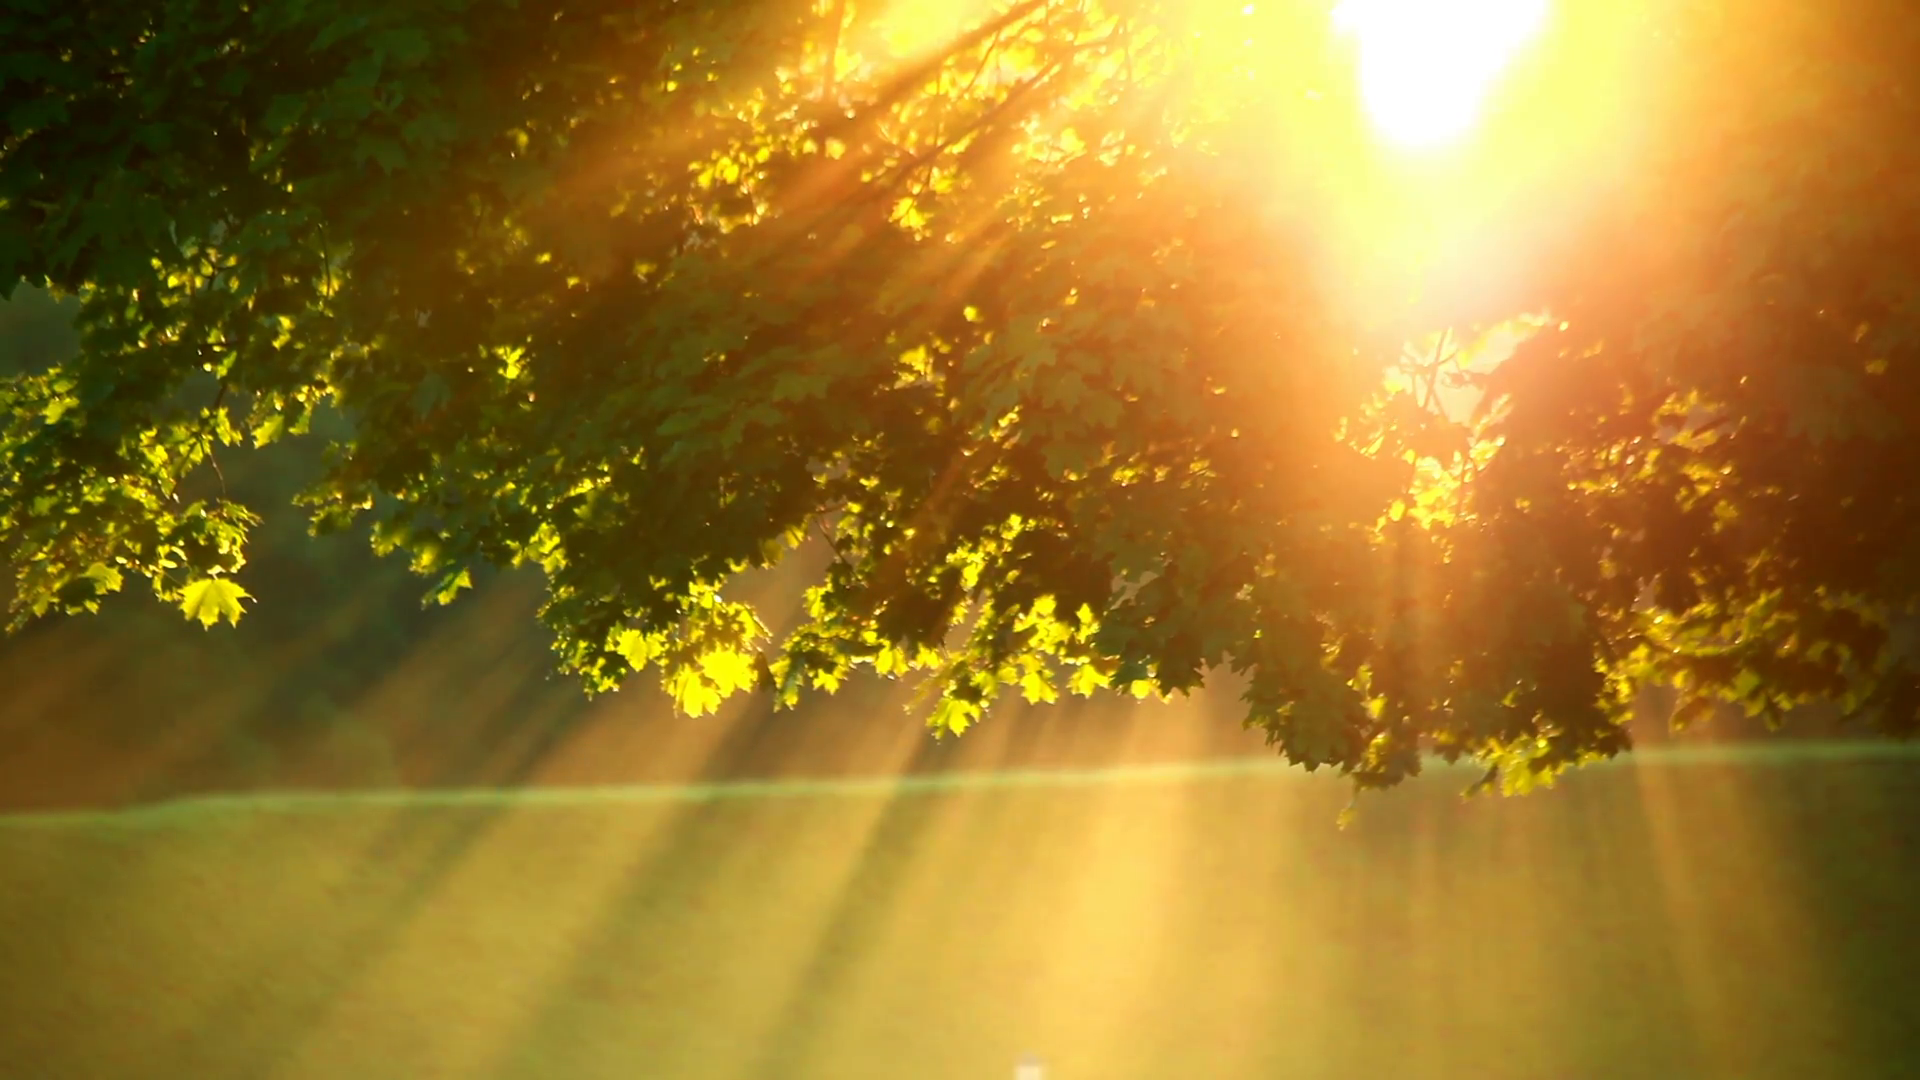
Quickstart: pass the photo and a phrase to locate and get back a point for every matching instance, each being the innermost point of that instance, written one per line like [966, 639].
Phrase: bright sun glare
[1426, 66]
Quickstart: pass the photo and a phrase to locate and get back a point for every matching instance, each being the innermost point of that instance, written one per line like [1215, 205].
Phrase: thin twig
[909, 79]
[1433, 369]
[993, 46]
[206, 438]
[828, 85]
[820, 522]
[1014, 96]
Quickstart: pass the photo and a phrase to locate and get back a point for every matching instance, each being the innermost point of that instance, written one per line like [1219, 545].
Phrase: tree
[1060, 327]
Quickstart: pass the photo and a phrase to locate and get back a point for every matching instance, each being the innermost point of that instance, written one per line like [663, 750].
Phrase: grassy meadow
[1745, 914]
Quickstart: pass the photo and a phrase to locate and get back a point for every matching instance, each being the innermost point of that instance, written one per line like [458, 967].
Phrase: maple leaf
[211, 599]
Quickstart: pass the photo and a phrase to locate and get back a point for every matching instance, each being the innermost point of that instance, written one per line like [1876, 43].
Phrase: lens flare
[1427, 66]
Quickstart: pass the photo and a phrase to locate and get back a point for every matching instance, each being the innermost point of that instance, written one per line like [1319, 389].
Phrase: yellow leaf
[212, 599]
[1086, 680]
[1038, 689]
[694, 696]
[638, 649]
[953, 716]
[728, 670]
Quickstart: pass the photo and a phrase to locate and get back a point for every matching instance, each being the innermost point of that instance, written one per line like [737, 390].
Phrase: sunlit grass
[1705, 916]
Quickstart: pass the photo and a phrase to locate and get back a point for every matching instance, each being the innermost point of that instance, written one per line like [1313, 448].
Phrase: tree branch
[905, 82]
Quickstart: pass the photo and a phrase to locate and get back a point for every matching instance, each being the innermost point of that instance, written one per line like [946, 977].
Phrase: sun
[1427, 66]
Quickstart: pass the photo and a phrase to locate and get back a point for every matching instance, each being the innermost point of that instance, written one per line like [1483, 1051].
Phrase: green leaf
[34, 113]
[382, 151]
[430, 395]
[404, 47]
[338, 30]
[283, 112]
[799, 385]
[448, 587]
[269, 430]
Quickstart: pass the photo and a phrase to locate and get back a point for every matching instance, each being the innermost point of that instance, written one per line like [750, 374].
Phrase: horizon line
[1792, 752]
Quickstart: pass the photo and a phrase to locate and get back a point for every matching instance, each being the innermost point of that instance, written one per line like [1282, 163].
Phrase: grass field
[1749, 916]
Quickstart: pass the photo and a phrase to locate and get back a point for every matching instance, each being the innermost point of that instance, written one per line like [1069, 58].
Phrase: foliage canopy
[1073, 329]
